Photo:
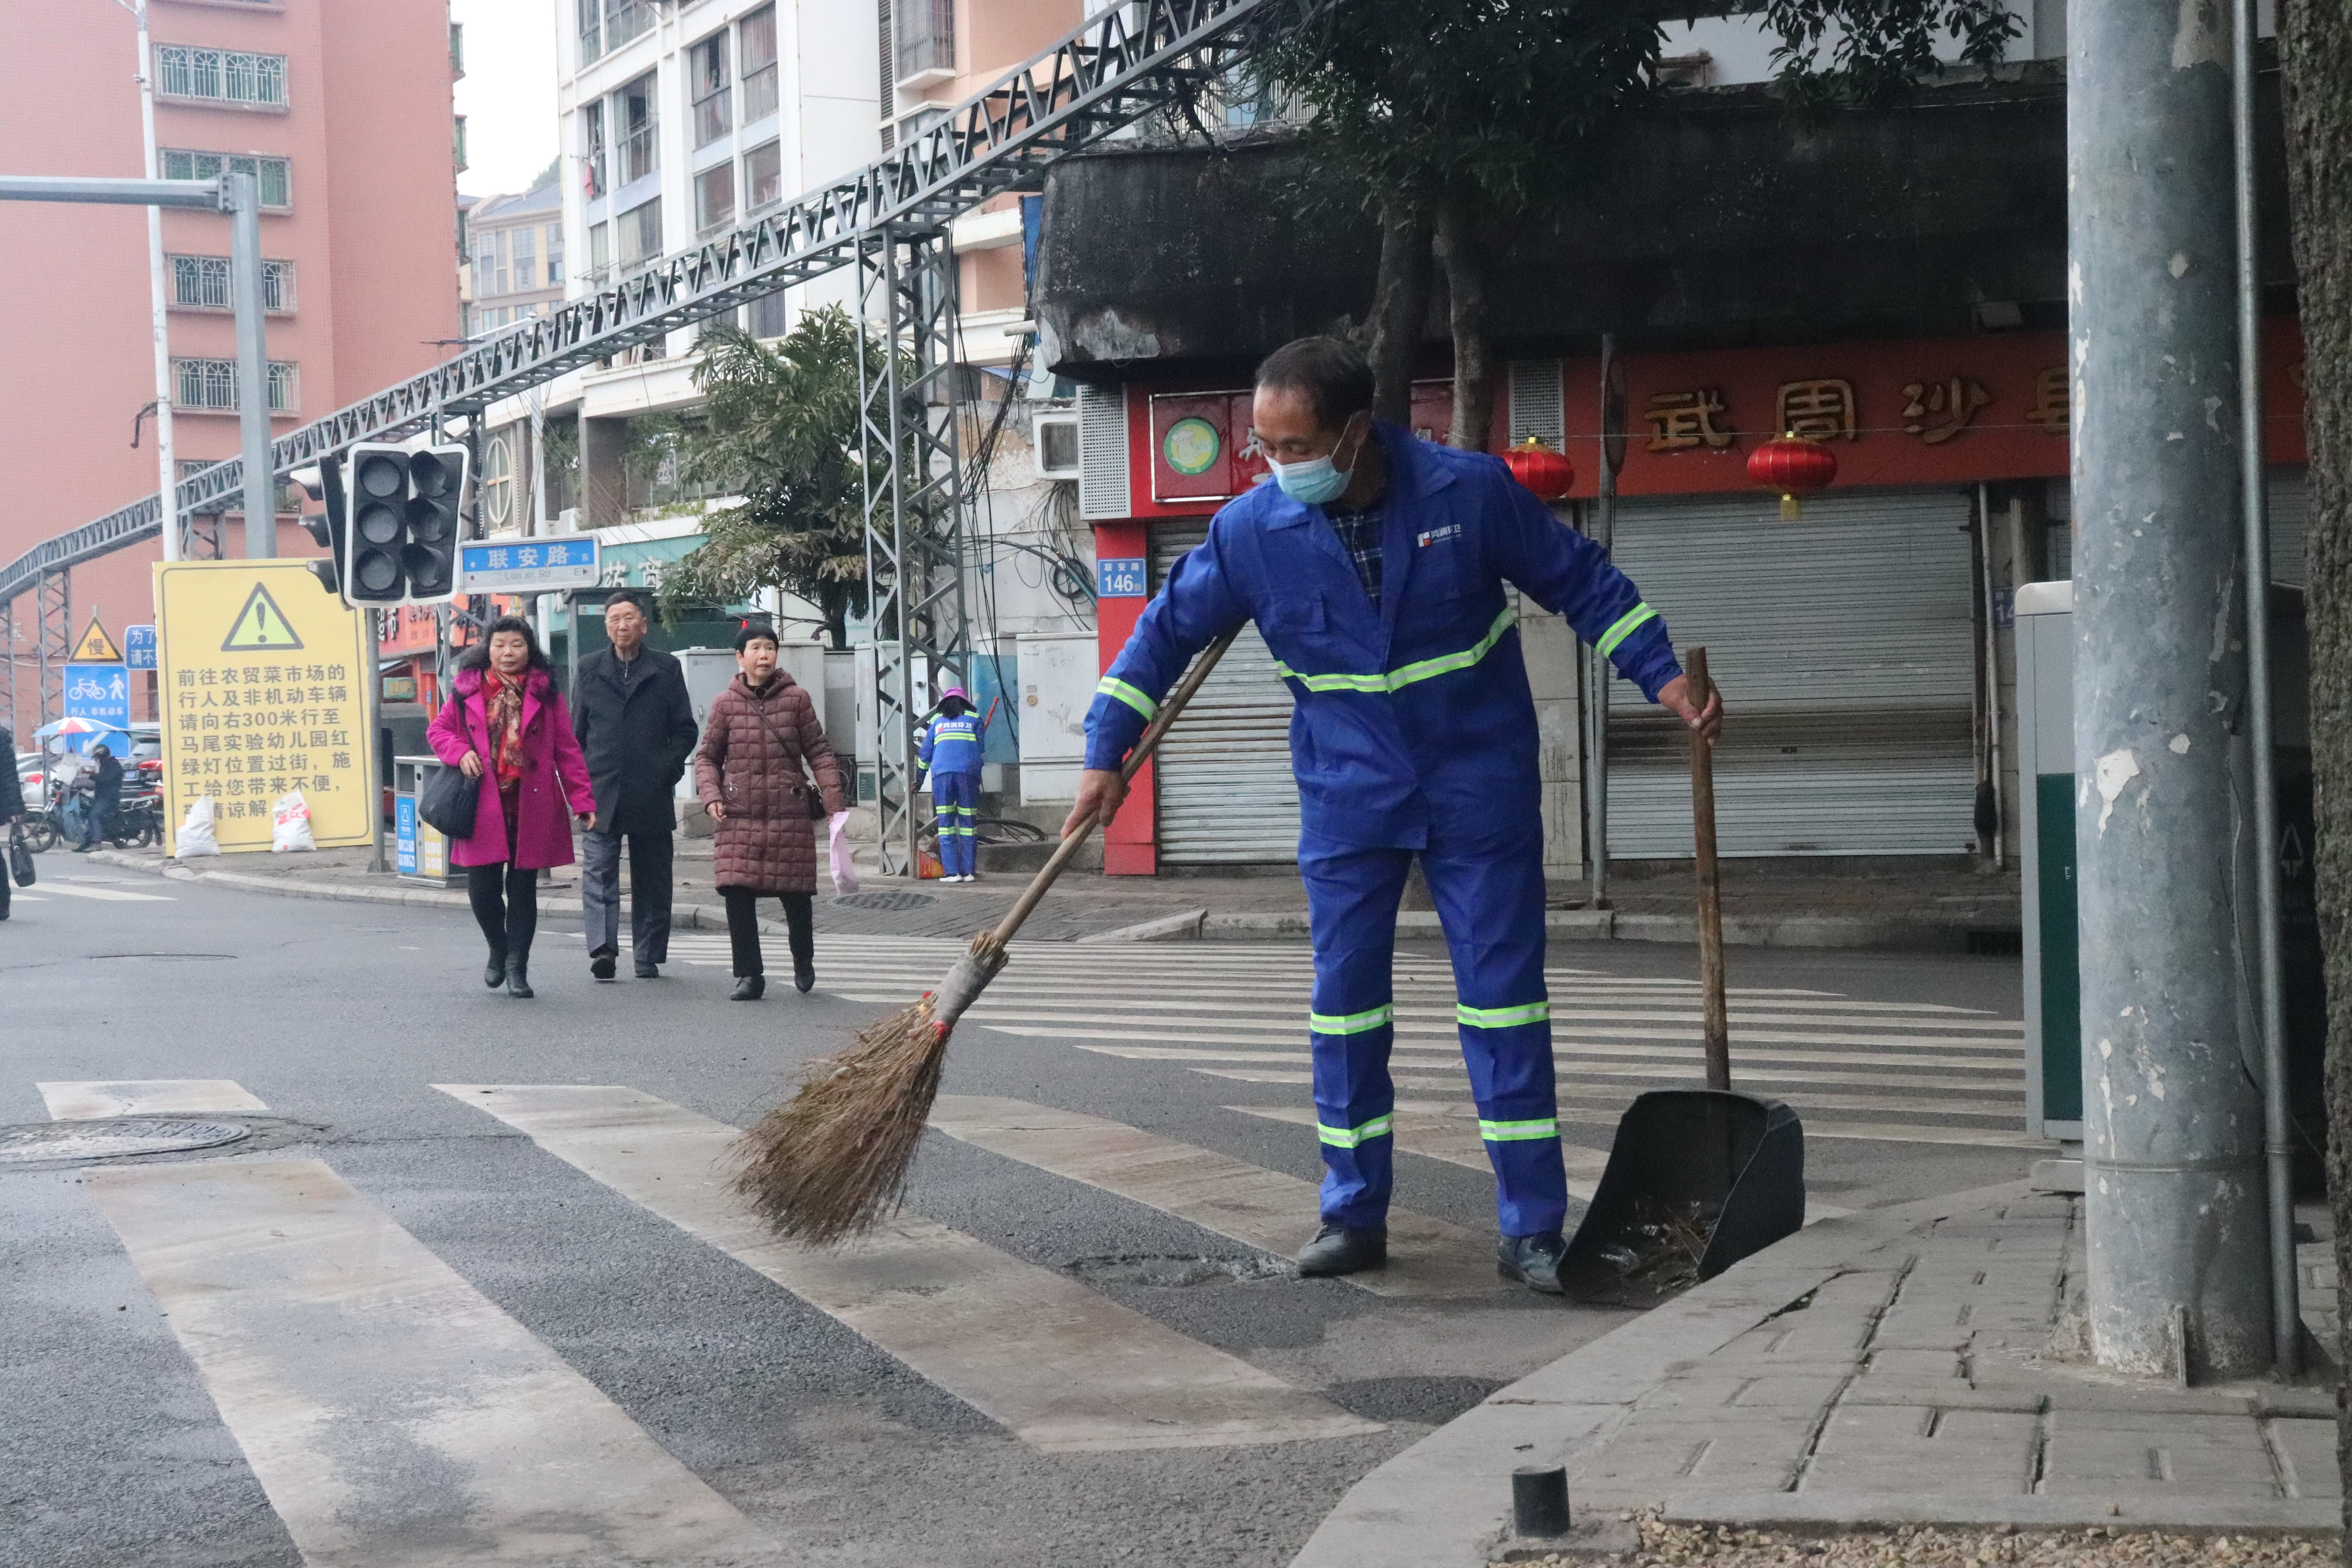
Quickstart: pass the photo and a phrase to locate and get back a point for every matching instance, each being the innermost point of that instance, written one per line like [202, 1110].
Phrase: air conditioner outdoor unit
[1057, 445]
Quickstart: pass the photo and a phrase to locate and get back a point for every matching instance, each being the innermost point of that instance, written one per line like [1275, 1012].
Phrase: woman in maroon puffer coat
[748, 774]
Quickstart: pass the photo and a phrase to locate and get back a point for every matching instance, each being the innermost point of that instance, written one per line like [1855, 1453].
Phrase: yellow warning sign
[95, 647]
[261, 627]
[263, 680]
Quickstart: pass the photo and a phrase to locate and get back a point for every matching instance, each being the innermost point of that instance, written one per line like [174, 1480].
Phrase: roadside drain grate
[114, 1138]
[884, 900]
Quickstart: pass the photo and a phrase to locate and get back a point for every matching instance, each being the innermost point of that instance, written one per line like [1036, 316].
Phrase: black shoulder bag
[450, 800]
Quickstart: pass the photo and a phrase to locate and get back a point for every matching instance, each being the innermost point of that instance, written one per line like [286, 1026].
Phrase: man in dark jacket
[12, 807]
[636, 725]
[105, 798]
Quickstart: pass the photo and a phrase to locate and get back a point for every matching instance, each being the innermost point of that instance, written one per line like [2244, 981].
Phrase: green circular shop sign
[1191, 446]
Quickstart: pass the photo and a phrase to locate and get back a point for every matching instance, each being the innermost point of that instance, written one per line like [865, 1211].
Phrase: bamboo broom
[826, 1165]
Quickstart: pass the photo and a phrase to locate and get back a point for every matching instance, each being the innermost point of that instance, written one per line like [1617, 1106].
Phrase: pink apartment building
[341, 107]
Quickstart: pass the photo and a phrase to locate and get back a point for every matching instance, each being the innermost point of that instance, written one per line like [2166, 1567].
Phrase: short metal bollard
[1540, 1500]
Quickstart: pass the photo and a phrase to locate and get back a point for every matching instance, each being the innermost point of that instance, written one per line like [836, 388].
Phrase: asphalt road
[413, 1324]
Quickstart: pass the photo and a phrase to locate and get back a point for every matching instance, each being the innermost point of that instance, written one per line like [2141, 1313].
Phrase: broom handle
[1715, 1023]
[1170, 707]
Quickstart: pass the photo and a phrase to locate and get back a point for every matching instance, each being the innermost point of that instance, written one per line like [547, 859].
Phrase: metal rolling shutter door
[1844, 644]
[1226, 790]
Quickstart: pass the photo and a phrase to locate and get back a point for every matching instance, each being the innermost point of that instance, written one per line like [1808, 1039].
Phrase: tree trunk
[1400, 305]
[2315, 61]
[1465, 284]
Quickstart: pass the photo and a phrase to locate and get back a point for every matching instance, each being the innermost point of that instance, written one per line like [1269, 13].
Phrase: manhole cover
[884, 900]
[49, 1143]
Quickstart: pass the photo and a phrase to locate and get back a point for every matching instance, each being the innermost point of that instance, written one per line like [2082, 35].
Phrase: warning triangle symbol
[261, 627]
[96, 647]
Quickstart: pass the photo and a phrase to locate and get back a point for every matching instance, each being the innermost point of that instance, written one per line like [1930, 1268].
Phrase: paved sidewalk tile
[1908, 1449]
[2306, 1451]
[1757, 1450]
[2129, 1454]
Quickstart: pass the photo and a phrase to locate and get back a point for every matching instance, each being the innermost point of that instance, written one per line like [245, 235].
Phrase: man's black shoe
[648, 971]
[1335, 1249]
[1533, 1260]
[803, 976]
[601, 965]
[748, 988]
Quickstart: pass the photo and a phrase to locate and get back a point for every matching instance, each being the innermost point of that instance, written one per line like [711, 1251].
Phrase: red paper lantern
[1792, 466]
[1549, 474]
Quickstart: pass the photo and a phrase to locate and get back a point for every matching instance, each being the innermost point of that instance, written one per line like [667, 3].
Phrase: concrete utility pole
[2172, 1122]
[242, 195]
[167, 468]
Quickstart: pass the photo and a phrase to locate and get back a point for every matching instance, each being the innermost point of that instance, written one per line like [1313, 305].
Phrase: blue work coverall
[951, 750]
[1414, 732]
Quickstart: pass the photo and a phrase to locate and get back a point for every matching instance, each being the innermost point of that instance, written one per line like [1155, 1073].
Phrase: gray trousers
[650, 854]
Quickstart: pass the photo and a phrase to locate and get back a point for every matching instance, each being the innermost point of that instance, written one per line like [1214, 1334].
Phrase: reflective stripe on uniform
[1405, 675]
[1515, 1132]
[1350, 1023]
[1351, 1137]
[1501, 1017]
[1129, 695]
[1623, 628]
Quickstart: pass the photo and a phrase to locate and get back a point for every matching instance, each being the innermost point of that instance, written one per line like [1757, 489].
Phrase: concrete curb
[1186, 926]
[1446, 1502]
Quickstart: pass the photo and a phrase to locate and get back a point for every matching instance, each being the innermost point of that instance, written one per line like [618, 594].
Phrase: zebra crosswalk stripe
[1257, 1207]
[396, 1417]
[1061, 1367]
[80, 1102]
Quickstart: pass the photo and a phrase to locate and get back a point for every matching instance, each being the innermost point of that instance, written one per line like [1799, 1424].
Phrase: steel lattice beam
[1125, 62]
[53, 640]
[914, 507]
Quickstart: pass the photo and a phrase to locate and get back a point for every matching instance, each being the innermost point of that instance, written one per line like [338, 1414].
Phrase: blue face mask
[1313, 481]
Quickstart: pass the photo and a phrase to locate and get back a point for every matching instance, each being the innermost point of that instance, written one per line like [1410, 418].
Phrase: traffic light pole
[372, 634]
[241, 195]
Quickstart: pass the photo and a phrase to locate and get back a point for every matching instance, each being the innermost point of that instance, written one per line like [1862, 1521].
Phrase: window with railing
[926, 37]
[274, 176]
[713, 88]
[633, 108]
[599, 251]
[598, 185]
[211, 385]
[641, 234]
[756, 55]
[221, 75]
[763, 176]
[526, 259]
[606, 25]
[201, 283]
[714, 197]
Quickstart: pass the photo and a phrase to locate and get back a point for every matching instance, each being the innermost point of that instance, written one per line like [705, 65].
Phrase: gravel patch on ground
[1674, 1546]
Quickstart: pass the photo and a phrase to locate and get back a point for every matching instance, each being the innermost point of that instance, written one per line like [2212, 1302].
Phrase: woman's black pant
[743, 929]
[505, 905]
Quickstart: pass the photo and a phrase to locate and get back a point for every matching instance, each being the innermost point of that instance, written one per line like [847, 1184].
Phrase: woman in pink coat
[506, 725]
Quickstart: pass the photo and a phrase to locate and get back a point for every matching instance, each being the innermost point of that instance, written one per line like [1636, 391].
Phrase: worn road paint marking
[70, 1102]
[1061, 1366]
[1254, 1206]
[113, 895]
[394, 1416]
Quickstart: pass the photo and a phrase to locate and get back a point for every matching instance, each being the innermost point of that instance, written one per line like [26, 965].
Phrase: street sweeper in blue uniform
[1375, 566]
[951, 750]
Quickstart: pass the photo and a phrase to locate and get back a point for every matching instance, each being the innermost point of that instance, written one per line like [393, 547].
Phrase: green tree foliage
[1454, 121]
[781, 430]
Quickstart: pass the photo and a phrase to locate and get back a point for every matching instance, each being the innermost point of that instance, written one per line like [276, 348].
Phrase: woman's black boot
[518, 975]
[748, 988]
[494, 973]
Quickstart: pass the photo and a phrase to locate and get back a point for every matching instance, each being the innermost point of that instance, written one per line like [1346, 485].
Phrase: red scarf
[502, 701]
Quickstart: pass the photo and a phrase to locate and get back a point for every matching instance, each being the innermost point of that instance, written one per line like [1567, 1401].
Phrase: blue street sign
[528, 565]
[1121, 579]
[101, 694]
[138, 648]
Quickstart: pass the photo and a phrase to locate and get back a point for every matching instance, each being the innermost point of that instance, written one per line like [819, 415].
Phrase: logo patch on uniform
[1434, 535]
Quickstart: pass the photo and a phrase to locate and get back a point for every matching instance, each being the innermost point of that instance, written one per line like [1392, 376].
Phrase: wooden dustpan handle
[1715, 1022]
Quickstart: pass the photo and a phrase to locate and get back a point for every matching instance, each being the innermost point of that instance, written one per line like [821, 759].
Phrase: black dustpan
[1696, 1180]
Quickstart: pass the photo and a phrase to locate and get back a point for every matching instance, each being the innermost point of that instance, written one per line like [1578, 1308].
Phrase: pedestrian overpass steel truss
[889, 220]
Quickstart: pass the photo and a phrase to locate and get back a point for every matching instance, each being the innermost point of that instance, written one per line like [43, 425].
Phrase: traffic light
[437, 479]
[326, 529]
[400, 538]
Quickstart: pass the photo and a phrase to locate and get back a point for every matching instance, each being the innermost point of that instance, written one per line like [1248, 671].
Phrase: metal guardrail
[1125, 62]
